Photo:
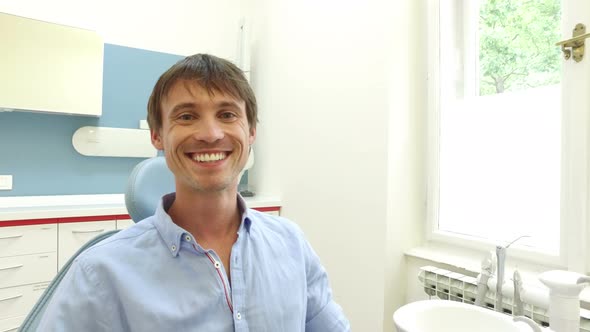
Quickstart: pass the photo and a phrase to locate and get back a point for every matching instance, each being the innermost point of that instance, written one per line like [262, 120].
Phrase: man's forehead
[185, 88]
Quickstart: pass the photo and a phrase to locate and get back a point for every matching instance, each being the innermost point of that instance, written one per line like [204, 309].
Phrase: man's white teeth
[209, 157]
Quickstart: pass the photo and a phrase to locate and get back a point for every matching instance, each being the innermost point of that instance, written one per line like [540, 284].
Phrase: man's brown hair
[213, 74]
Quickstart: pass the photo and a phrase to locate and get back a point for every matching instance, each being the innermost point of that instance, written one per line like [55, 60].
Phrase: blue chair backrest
[148, 182]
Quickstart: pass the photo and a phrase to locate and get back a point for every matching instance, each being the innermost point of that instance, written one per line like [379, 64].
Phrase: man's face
[206, 138]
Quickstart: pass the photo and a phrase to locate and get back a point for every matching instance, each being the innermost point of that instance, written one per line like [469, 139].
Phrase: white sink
[451, 316]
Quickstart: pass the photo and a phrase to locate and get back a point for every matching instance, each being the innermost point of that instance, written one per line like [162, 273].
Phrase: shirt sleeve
[78, 303]
[323, 314]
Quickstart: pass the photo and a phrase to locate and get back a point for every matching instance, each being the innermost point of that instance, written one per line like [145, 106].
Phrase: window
[495, 122]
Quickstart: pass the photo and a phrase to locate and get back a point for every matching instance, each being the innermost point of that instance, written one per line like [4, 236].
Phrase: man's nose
[208, 130]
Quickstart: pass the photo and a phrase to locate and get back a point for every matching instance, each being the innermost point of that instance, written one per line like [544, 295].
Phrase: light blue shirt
[153, 276]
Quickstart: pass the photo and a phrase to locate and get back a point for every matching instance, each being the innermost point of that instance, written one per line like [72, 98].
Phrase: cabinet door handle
[89, 231]
[11, 297]
[11, 267]
[10, 237]
[11, 329]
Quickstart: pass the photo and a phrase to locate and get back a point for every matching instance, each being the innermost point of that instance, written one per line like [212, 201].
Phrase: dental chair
[148, 182]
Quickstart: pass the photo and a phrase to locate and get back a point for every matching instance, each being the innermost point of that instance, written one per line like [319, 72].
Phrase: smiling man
[204, 261]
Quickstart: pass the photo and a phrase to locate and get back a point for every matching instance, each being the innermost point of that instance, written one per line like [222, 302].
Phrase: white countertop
[41, 207]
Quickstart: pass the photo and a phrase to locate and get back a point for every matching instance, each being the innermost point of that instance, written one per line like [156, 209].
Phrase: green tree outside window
[517, 45]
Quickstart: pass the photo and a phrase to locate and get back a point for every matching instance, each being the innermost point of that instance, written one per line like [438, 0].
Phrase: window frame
[574, 197]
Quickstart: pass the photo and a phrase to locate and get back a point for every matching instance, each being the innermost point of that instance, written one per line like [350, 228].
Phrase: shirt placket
[221, 273]
[238, 286]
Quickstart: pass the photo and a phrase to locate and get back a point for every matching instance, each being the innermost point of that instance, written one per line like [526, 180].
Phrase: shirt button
[188, 238]
[239, 316]
[173, 248]
[217, 265]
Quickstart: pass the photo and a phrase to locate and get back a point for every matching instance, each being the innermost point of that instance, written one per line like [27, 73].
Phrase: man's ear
[156, 139]
[252, 137]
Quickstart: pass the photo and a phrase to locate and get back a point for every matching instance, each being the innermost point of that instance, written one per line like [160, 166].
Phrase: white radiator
[447, 285]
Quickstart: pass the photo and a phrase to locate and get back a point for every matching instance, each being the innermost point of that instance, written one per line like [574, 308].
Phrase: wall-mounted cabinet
[48, 67]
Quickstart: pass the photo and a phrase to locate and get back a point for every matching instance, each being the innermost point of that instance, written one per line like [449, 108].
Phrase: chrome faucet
[518, 309]
[501, 260]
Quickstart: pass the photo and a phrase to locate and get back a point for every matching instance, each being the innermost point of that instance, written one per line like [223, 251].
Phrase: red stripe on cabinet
[267, 209]
[92, 218]
[43, 221]
[27, 222]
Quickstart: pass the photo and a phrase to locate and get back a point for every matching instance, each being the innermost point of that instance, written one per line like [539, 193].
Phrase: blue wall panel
[37, 148]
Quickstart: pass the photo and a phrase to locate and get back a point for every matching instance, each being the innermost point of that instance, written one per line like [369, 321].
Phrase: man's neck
[207, 216]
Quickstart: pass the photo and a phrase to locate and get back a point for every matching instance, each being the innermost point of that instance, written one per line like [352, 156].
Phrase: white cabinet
[49, 67]
[74, 235]
[273, 213]
[11, 324]
[18, 301]
[22, 240]
[27, 269]
[30, 257]
[28, 262]
[123, 223]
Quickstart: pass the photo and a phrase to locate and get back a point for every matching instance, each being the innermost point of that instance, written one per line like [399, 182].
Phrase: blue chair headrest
[149, 181]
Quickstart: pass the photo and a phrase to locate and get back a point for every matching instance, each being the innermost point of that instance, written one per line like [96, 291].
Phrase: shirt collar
[246, 221]
[169, 231]
[173, 234]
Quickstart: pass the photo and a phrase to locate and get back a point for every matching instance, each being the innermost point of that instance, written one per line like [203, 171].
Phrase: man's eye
[227, 115]
[186, 117]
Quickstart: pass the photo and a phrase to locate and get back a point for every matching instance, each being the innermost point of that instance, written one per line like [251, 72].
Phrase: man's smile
[209, 157]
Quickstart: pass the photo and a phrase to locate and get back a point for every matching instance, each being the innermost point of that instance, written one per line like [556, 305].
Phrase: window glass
[499, 121]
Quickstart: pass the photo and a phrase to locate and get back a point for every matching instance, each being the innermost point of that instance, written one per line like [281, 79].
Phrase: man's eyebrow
[181, 106]
[226, 103]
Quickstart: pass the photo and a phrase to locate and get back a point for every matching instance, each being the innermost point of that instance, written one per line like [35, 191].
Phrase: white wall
[174, 26]
[335, 82]
[319, 77]
[406, 164]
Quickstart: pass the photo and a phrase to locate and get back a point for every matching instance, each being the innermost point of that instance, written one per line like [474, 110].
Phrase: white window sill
[469, 261]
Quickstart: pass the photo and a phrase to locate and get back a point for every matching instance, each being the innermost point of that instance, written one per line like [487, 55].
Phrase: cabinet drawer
[23, 240]
[27, 269]
[72, 236]
[18, 301]
[11, 324]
